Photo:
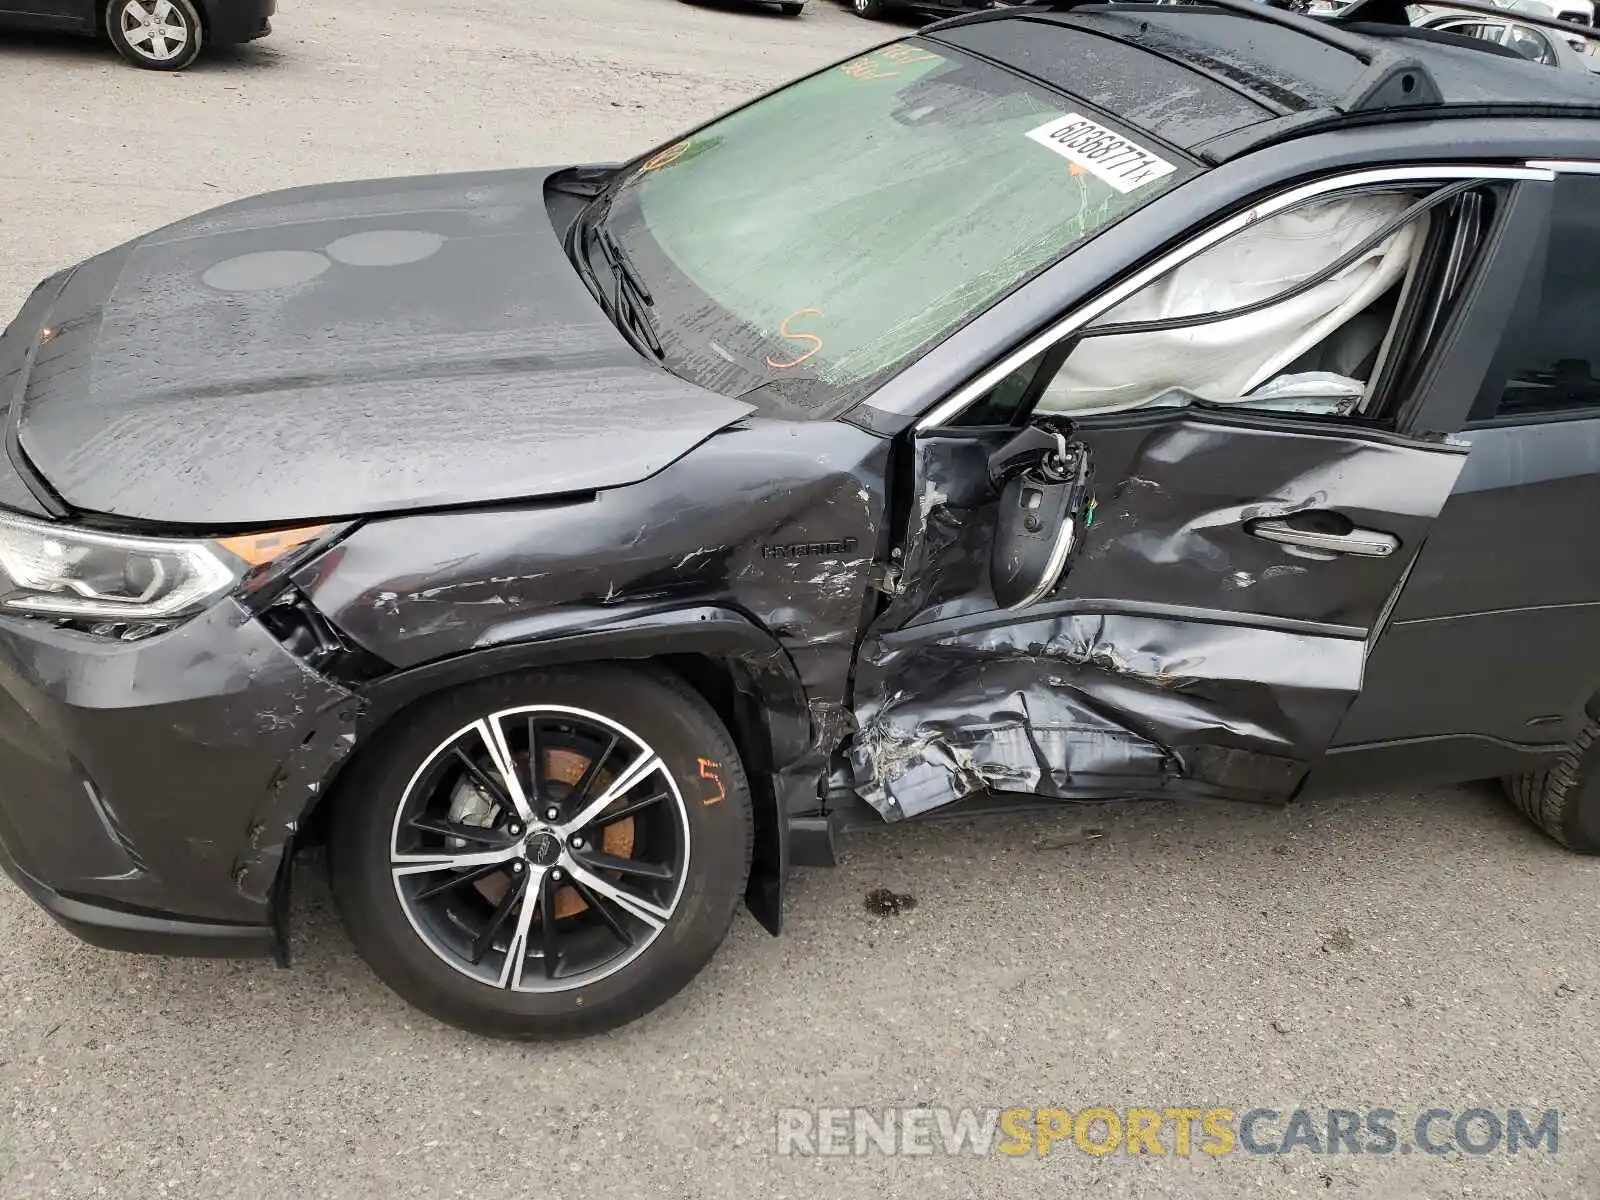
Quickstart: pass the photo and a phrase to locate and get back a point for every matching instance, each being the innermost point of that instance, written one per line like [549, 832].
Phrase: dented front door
[1206, 639]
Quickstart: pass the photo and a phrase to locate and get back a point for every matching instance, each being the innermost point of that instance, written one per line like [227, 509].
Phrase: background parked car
[160, 35]
[1547, 46]
[789, 8]
[875, 9]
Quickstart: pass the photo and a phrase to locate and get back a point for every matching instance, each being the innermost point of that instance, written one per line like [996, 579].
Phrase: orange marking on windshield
[665, 158]
[872, 66]
[865, 68]
[783, 332]
[903, 54]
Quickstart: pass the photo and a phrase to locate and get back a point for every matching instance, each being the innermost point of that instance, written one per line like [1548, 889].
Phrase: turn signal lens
[261, 549]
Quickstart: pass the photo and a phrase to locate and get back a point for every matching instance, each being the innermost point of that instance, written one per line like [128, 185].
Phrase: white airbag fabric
[1224, 361]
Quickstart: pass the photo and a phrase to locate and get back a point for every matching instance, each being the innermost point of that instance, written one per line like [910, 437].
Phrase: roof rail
[1393, 12]
[1391, 80]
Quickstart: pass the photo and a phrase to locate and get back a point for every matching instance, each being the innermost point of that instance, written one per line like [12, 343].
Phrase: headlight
[59, 571]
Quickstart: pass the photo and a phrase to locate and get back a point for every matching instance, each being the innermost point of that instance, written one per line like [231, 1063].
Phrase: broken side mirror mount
[1046, 502]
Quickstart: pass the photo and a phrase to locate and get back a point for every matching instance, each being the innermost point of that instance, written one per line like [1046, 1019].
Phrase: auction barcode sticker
[1106, 155]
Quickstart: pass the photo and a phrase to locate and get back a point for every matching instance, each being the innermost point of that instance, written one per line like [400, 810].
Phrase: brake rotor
[565, 767]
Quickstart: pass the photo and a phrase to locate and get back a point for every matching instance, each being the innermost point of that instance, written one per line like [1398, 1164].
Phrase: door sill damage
[1130, 704]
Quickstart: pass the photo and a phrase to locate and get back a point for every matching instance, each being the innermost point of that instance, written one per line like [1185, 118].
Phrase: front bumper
[232, 21]
[143, 932]
[149, 791]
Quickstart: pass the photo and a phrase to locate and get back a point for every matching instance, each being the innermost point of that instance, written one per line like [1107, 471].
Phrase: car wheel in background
[871, 9]
[1564, 801]
[160, 35]
[544, 855]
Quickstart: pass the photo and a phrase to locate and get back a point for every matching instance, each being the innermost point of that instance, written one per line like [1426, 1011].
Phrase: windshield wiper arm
[618, 257]
[634, 300]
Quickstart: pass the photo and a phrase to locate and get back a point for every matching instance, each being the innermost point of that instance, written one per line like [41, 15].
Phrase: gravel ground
[1399, 950]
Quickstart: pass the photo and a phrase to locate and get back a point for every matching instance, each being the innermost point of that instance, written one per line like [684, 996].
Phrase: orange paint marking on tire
[711, 770]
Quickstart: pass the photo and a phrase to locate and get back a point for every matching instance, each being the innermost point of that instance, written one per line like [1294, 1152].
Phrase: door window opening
[1311, 311]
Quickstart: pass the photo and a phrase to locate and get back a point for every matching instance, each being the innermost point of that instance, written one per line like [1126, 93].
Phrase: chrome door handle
[1369, 543]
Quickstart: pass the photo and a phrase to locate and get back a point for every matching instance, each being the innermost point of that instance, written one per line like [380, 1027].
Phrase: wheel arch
[733, 663]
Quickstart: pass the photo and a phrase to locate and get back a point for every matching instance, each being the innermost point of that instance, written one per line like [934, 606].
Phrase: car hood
[340, 350]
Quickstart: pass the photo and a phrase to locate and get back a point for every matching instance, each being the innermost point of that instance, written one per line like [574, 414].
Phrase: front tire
[872, 10]
[158, 35]
[544, 855]
[1564, 801]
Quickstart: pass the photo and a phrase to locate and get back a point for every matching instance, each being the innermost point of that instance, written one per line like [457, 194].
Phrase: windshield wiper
[634, 300]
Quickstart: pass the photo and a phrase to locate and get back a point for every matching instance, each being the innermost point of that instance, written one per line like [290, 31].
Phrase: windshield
[810, 244]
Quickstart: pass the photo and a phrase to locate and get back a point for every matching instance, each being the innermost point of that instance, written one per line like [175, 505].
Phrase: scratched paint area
[779, 520]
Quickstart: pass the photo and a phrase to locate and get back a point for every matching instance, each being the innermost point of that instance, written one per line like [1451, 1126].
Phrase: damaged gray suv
[1024, 411]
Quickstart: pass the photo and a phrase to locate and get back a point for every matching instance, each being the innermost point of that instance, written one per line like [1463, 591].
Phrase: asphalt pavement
[1409, 950]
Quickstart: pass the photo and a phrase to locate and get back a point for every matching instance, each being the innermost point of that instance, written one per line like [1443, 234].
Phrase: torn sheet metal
[1181, 654]
[1081, 705]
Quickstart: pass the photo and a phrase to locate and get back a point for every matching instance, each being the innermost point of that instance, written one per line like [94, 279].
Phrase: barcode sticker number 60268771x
[1105, 154]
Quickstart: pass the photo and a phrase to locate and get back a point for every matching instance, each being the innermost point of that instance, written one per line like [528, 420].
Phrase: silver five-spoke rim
[154, 28]
[540, 848]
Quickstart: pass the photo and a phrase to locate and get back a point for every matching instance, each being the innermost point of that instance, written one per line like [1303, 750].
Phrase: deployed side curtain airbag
[1224, 361]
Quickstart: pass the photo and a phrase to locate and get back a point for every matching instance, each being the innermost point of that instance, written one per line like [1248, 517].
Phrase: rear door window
[1547, 364]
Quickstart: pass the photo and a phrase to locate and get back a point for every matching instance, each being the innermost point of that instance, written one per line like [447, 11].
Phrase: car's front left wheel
[544, 855]
[159, 35]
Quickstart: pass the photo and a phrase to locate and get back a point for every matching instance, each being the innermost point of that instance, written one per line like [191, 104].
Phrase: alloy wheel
[540, 848]
[155, 29]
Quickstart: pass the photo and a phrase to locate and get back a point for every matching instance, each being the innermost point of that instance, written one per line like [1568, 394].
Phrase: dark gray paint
[254, 365]
[18, 346]
[203, 747]
[1499, 624]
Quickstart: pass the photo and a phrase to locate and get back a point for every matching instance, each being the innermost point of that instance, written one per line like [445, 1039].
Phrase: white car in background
[1579, 12]
[1547, 46]
[1541, 45]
